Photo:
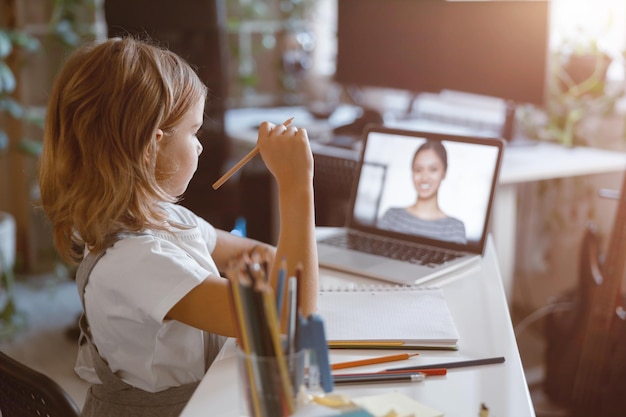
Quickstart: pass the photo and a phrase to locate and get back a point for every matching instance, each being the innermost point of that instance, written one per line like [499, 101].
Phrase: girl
[120, 148]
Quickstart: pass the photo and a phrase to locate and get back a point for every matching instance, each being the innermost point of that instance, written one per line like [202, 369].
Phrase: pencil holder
[269, 385]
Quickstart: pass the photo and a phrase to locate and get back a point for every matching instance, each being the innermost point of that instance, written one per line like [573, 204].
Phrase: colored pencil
[450, 365]
[217, 184]
[426, 372]
[371, 361]
[280, 287]
[286, 388]
[246, 344]
[292, 314]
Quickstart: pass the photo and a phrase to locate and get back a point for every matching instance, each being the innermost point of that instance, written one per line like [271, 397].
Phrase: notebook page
[414, 315]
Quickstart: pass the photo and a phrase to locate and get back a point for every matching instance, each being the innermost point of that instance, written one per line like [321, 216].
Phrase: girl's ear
[158, 135]
[153, 148]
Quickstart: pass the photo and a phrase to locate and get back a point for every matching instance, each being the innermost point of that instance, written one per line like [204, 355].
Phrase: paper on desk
[401, 406]
[314, 410]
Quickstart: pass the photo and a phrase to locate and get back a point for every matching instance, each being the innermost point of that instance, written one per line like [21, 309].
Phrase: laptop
[412, 219]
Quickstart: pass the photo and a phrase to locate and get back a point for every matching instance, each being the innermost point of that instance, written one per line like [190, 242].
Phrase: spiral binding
[373, 287]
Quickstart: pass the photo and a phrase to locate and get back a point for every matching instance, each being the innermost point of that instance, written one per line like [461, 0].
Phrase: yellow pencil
[370, 361]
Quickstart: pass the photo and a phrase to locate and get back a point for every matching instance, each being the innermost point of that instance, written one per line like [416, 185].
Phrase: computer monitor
[496, 48]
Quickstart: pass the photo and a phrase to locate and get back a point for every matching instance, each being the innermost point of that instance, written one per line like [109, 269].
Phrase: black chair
[25, 392]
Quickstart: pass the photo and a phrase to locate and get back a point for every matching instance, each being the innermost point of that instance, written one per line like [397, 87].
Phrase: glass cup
[263, 383]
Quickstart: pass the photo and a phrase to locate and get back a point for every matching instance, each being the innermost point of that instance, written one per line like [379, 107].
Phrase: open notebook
[387, 316]
[382, 239]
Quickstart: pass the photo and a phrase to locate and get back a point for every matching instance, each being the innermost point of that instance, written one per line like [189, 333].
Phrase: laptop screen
[429, 187]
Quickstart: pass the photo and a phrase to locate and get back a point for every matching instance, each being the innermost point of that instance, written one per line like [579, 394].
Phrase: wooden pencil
[371, 361]
[220, 181]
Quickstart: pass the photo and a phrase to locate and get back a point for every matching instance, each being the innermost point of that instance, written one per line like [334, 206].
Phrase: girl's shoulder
[148, 253]
[181, 214]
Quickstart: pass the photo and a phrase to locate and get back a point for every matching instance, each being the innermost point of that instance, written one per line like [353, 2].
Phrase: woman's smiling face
[428, 172]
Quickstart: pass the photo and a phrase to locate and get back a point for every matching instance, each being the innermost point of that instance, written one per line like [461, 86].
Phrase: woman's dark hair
[436, 146]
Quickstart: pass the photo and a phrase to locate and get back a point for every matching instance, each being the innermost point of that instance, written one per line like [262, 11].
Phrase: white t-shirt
[129, 292]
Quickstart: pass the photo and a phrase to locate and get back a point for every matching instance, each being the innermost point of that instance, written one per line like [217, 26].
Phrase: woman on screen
[425, 217]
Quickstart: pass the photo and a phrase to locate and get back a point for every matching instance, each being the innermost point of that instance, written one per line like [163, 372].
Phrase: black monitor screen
[497, 48]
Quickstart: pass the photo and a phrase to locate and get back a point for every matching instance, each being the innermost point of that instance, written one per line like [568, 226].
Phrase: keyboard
[392, 248]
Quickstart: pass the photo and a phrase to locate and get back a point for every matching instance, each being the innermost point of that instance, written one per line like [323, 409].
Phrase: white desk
[525, 163]
[478, 305]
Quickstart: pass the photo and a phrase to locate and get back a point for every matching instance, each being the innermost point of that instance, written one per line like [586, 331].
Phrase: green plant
[577, 85]
[11, 319]
[68, 26]
[262, 41]
[579, 89]
[10, 42]
[71, 23]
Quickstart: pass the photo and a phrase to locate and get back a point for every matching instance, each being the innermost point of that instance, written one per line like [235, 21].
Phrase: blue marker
[311, 336]
[280, 288]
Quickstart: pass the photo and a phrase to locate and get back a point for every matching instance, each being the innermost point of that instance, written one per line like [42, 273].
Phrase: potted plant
[10, 318]
[67, 27]
[577, 89]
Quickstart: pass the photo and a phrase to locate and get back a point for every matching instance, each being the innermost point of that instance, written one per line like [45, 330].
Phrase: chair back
[25, 392]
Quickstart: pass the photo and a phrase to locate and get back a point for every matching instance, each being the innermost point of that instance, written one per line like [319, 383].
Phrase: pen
[370, 361]
[367, 378]
[217, 184]
[450, 365]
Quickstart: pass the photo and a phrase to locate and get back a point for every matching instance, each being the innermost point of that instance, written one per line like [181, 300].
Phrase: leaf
[4, 141]
[25, 41]
[66, 33]
[5, 44]
[11, 106]
[7, 80]
[31, 147]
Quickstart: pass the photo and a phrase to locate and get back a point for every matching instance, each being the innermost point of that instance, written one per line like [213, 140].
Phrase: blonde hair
[97, 173]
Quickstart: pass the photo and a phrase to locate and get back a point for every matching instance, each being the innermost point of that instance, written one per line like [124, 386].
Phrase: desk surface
[521, 163]
[478, 305]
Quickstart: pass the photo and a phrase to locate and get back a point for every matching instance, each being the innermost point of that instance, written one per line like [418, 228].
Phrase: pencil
[274, 329]
[426, 372]
[292, 314]
[365, 378]
[450, 365]
[251, 380]
[217, 184]
[371, 361]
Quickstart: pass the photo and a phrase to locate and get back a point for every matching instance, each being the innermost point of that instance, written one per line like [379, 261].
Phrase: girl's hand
[286, 153]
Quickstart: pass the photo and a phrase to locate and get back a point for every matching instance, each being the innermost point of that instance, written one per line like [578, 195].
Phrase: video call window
[387, 181]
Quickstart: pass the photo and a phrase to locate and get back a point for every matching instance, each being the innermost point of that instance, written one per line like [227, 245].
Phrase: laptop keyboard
[392, 248]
